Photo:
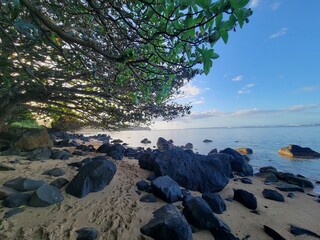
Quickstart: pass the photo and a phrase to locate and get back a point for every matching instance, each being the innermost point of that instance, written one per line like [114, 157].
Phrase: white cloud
[311, 88]
[189, 90]
[275, 6]
[246, 89]
[283, 31]
[198, 101]
[254, 3]
[237, 78]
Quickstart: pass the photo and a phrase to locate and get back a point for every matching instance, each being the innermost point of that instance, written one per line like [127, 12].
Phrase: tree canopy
[110, 63]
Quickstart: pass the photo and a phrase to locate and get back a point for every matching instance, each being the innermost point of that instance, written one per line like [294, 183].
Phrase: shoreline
[117, 213]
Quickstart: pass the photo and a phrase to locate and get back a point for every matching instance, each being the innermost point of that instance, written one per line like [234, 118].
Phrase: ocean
[264, 141]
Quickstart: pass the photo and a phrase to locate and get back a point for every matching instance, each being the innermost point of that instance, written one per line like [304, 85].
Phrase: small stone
[59, 182]
[6, 191]
[142, 185]
[291, 195]
[87, 233]
[150, 198]
[46, 195]
[55, 172]
[246, 180]
[273, 195]
[207, 141]
[245, 198]
[5, 168]
[13, 212]
[24, 184]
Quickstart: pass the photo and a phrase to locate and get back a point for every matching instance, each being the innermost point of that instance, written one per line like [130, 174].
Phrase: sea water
[264, 141]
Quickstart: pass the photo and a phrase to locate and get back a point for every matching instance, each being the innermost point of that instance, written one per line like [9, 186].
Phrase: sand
[117, 213]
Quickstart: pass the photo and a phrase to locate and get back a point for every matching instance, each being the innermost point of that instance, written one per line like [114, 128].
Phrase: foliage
[112, 63]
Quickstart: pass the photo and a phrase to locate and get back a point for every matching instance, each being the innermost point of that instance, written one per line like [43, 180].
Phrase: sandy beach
[117, 213]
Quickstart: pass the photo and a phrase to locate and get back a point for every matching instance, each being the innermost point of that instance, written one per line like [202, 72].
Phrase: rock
[199, 214]
[145, 141]
[59, 183]
[55, 172]
[86, 148]
[16, 200]
[142, 185]
[78, 153]
[272, 233]
[163, 144]
[166, 189]
[5, 168]
[168, 223]
[39, 154]
[213, 151]
[87, 233]
[116, 151]
[193, 171]
[31, 139]
[13, 212]
[6, 192]
[63, 143]
[133, 153]
[273, 195]
[62, 155]
[150, 198]
[245, 198]
[116, 141]
[92, 177]
[189, 146]
[215, 201]
[207, 141]
[244, 151]
[301, 231]
[301, 182]
[24, 184]
[271, 178]
[295, 151]
[291, 195]
[287, 187]
[45, 196]
[11, 152]
[238, 163]
[146, 160]
[246, 180]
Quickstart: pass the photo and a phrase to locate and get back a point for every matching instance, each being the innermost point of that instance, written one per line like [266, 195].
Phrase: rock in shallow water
[296, 151]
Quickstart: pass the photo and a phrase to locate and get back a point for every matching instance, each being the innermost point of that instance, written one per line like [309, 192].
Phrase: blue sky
[267, 74]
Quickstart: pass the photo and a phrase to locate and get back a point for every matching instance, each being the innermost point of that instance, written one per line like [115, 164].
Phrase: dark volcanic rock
[215, 201]
[55, 172]
[145, 141]
[150, 198]
[207, 141]
[269, 169]
[13, 212]
[213, 151]
[163, 144]
[5, 168]
[272, 233]
[239, 163]
[62, 155]
[166, 189]
[168, 223]
[142, 185]
[59, 183]
[16, 200]
[301, 182]
[31, 139]
[189, 146]
[245, 198]
[87, 233]
[273, 195]
[24, 184]
[147, 159]
[116, 151]
[45, 196]
[39, 154]
[86, 148]
[296, 151]
[287, 187]
[92, 177]
[199, 214]
[291, 195]
[193, 171]
[246, 180]
[302, 231]
[6, 192]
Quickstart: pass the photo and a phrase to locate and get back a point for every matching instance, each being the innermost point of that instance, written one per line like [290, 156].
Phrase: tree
[110, 63]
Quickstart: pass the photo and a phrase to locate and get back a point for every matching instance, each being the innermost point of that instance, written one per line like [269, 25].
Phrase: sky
[267, 74]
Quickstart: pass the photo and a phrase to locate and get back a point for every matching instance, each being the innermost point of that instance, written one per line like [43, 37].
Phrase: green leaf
[204, 4]
[224, 34]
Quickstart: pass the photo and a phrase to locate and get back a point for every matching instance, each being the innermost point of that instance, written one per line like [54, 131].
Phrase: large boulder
[92, 177]
[39, 154]
[163, 144]
[238, 163]
[116, 151]
[147, 159]
[45, 196]
[295, 151]
[166, 189]
[193, 171]
[31, 139]
[168, 223]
